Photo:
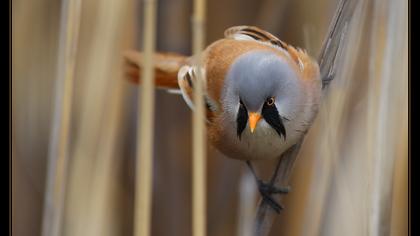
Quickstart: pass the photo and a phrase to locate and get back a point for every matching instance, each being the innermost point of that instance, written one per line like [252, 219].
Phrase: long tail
[166, 66]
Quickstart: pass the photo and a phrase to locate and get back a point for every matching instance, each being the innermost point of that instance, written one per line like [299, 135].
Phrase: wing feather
[187, 77]
[256, 34]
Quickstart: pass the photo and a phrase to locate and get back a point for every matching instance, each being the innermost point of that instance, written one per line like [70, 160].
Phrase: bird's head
[261, 89]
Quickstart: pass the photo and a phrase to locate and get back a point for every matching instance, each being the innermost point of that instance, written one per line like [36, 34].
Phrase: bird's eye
[270, 101]
[240, 102]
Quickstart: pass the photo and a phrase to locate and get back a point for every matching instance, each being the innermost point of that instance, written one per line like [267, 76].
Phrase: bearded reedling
[261, 94]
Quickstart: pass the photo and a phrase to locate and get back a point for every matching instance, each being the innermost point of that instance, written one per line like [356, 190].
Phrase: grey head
[253, 79]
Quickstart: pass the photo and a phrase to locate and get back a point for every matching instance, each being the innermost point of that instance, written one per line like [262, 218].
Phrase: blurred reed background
[351, 177]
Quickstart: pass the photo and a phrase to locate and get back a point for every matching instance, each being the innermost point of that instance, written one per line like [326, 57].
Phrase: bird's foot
[267, 190]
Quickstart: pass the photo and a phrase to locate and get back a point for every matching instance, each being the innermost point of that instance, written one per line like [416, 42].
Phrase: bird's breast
[263, 144]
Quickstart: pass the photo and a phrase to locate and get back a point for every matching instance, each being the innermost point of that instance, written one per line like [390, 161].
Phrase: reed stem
[199, 129]
[265, 213]
[144, 163]
[59, 137]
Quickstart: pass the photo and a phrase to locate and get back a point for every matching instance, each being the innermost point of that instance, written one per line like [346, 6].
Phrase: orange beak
[253, 118]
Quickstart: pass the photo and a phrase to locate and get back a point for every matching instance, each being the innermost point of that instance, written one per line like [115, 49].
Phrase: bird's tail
[166, 67]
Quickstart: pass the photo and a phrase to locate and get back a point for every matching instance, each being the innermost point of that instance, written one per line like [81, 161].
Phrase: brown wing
[255, 33]
[166, 66]
[262, 36]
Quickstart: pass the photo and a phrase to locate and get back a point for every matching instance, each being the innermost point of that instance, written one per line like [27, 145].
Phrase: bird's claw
[271, 189]
[267, 189]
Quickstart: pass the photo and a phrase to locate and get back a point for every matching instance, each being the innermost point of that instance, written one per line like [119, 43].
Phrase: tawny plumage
[166, 68]
[261, 94]
[175, 71]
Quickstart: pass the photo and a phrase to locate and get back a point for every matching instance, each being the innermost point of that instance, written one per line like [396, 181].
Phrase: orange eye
[270, 101]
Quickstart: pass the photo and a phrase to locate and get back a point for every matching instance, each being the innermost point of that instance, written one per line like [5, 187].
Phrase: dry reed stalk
[101, 216]
[353, 176]
[59, 139]
[265, 213]
[144, 162]
[93, 72]
[247, 198]
[104, 180]
[199, 129]
[388, 101]
[91, 189]
[332, 117]
[400, 205]
[330, 58]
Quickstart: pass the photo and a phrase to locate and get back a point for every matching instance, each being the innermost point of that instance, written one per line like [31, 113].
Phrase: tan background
[351, 176]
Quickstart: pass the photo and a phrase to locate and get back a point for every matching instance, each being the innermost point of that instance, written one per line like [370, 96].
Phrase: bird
[261, 94]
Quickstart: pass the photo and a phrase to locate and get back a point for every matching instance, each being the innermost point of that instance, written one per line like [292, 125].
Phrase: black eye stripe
[241, 119]
[272, 117]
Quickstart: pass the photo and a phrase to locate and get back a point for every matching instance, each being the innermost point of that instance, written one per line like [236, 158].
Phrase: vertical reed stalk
[247, 198]
[144, 164]
[199, 129]
[331, 56]
[265, 214]
[59, 139]
[389, 101]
